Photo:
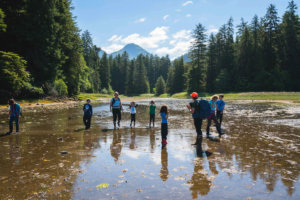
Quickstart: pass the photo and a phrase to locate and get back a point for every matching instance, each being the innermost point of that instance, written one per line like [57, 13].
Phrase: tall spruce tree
[195, 76]
[140, 79]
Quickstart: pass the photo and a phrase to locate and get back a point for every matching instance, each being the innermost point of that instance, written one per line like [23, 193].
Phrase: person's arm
[21, 114]
[110, 105]
[121, 106]
[167, 115]
[9, 113]
[91, 107]
[190, 108]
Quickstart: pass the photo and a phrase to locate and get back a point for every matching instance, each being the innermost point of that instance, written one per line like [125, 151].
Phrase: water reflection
[254, 157]
[164, 172]
[116, 146]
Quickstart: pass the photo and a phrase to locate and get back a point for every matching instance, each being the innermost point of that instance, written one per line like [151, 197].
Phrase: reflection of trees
[264, 157]
[199, 181]
[116, 146]
[164, 172]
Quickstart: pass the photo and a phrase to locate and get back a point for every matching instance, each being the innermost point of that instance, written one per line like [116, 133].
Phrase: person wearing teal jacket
[14, 113]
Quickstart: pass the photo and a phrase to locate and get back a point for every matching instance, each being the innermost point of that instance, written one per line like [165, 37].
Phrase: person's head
[116, 94]
[164, 109]
[214, 98]
[11, 102]
[152, 102]
[221, 96]
[88, 101]
[132, 103]
[194, 95]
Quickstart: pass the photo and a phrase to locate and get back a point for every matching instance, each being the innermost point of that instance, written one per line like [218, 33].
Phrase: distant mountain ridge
[132, 49]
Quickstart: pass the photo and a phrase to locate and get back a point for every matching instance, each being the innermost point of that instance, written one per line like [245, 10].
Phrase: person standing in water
[152, 113]
[212, 116]
[164, 113]
[220, 109]
[87, 114]
[115, 108]
[194, 108]
[132, 113]
[14, 114]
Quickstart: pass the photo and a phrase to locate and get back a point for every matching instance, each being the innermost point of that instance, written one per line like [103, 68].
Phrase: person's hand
[189, 107]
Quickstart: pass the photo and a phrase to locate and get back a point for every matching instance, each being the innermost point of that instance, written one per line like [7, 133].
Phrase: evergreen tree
[291, 35]
[211, 73]
[179, 80]
[130, 86]
[105, 72]
[195, 76]
[140, 79]
[160, 86]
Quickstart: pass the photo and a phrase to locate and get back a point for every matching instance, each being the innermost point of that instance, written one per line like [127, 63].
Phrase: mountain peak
[132, 49]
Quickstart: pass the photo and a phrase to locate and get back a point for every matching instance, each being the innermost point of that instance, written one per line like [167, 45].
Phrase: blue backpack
[202, 109]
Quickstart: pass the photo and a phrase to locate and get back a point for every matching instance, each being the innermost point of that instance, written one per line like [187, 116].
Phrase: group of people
[200, 109]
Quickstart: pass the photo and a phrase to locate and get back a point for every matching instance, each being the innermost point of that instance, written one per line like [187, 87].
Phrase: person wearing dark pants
[194, 108]
[220, 108]
[14, 113]
[88, 112]
[212, 116]
[164, 125]
[115, 108]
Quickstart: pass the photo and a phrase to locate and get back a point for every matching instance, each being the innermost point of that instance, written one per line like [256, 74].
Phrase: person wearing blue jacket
[88, 113]
[14, 113]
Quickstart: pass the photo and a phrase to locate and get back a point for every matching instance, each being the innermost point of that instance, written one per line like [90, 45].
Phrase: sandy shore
[37, 107]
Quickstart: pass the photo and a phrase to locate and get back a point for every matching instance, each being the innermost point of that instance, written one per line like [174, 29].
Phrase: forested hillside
[42, 53]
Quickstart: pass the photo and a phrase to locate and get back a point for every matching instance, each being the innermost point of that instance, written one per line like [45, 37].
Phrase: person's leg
[114, 117]
[17, 124]
[221, 118]
[217, 124]
[10, 124]
[89, 122]
[84, 121]
[208, 126]
[218, 115]
[164, 132]
[134, 120]
[119, 116]
[150, 119]
[198, 124]
[153, 120]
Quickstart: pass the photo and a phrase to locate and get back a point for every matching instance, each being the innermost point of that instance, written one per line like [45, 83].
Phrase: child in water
[220, 108]
[212, 116]
[152, 113]
[132, 112]
[164, 113]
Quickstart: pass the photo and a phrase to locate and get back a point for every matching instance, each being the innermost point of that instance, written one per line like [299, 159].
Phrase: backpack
[202, 109]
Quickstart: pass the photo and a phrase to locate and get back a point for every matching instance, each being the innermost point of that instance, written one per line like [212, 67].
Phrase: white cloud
[115, 38]
[112, 48]
[141, 20]
[165, 17]
[179, 44]
[187, 3]
[183, 34]
[188, 15]
[211, 29]
[158, 41]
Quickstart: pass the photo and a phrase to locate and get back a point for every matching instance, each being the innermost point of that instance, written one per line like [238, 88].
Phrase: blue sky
[161, 26]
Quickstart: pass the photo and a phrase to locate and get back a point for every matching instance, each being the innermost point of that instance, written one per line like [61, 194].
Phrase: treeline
[42, 53]
[264, 56]
[41, 50]
[127, 76]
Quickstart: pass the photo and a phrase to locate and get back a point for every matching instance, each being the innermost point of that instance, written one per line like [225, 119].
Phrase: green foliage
[2, 24]
[160, 86]
[13, 74]
[61, 88]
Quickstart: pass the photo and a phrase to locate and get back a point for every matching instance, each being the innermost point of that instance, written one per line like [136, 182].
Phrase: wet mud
[53, 157]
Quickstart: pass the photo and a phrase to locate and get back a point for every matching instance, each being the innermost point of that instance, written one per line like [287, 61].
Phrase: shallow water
[257, 158]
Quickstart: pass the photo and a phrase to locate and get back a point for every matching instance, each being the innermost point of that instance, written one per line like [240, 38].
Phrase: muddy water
[257, 158]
